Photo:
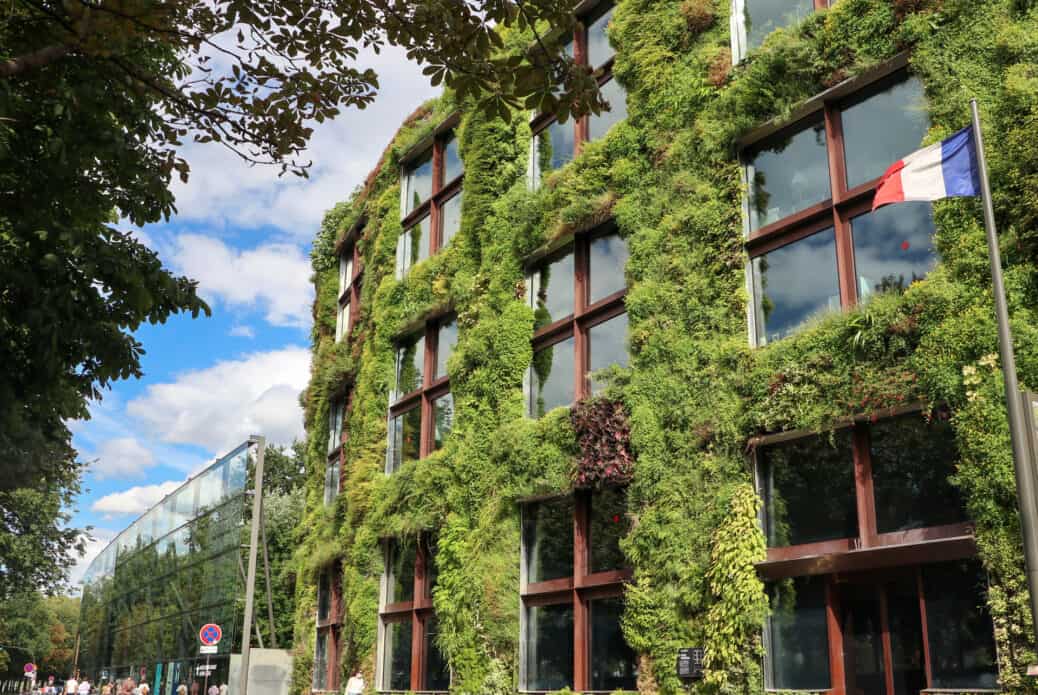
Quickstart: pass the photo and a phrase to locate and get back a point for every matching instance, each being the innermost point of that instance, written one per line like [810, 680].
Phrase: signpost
[209, 635]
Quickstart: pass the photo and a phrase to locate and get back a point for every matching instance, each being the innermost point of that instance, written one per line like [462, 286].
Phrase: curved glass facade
[174, 569]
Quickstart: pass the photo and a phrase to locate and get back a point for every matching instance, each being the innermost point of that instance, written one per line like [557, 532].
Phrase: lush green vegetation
[695, 392]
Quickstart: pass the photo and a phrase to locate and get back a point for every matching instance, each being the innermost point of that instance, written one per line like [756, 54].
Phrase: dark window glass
[796, 283]
[765, 16]
[548, 539]
[452, 165]
[906, 636]
[882, 129]
[788, 175]
[609, 523]
[809, 490]
[398, 656]
[555, 147]
[445, 344]
[549, 647]
[406, 431]
[552, 291]
[598, 48]
[324, 597]
[893, 247]
[911, 463]
[412, 246]
[451, 219]
[551, 377]
[862, 628]
[410, 365]
[614, 665]
[418, 182]
[616, 96]
[443, 419]
[437, 672]
[331, 481]
[321, 662]
[608, 258]
[962, 644]
[607, 346]
[798, 641]
[401, 584]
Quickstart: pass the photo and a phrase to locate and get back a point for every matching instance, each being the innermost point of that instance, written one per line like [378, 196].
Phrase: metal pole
[250, 580]
[270, 599]
[1025, 482]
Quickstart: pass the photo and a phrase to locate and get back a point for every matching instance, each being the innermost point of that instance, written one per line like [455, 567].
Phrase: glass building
[176, 568]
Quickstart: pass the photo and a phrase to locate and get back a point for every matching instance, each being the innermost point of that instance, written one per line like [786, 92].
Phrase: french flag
[948, 168]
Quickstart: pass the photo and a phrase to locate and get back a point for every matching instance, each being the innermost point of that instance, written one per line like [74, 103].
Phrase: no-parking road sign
[210, 634]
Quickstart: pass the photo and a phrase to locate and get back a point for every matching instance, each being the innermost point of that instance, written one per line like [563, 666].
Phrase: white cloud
[136, 500]
[101, 538]
[121, 457]
[219, 407]
[273, 276]
[241, 331]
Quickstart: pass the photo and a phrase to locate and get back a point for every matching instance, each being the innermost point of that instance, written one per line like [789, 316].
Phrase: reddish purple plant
[604, 435]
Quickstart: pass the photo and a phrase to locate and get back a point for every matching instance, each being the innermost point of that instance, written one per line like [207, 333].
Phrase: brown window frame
[603, 73]
[585, 315]
[432, 388]
[331, 629]
[577, 590]
[350, 295]
[843, 203]
[417, 611]
[442, 192]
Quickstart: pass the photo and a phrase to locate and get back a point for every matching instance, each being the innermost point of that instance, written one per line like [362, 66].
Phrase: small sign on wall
[690, 663]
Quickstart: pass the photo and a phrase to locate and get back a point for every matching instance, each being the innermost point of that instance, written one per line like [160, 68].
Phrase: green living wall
[694, 392]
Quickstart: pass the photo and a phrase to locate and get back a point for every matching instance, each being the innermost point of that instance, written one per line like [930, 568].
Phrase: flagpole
[1025, 482]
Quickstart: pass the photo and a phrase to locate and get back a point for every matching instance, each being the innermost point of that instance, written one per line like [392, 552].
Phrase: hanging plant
[604, 435]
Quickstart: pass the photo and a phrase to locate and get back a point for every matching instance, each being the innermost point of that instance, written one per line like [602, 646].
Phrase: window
[430, 203]
[572, 594]
[410, 659]
[329, 607]
[554, 144]
[753, 20]
[577, 295]
[422, 409]
[813, 242]
[333, 469]
[335, 415]
[349, 290]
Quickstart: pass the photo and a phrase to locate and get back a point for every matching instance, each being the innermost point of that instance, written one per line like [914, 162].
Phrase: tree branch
[30, 61]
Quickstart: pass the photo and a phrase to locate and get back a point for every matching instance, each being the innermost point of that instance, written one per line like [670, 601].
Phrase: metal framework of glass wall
[174, 569]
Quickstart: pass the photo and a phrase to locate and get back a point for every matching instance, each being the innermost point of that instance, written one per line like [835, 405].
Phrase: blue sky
[244, 234]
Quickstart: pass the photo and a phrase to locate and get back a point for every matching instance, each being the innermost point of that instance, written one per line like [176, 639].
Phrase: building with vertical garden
[586, 393]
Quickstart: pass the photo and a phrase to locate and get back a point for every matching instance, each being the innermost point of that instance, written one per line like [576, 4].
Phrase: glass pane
[418, 183]
[794, 284]
[608, 258]
[443, 419]
[452, 165]
[320, 662]
[809, 490]
[345, 270]
[210, 489]
[237, 472]
[962, 644]
[445, 344]
[893, 247]
[410, 365]
[616, 97]
[598, 48]
[551, 377]
[798, 642]
[437, 672]
[609, 523]
[911, 463]
[788, 176]
[548, 539]
[906, 635]
[882, 129]
[555, 147]
[335, 415]
[398, 656]
[324, 597]
[614, 665]
[331, 482]
[765, 16]
[412, 246]
[862, 626]
[406, 433]
[342, 322]
[549, 647]
[553, 290]
[401, 584]
[451, 216]
[607, 346]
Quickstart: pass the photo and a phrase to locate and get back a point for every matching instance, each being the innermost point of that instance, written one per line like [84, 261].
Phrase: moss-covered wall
[695, 391]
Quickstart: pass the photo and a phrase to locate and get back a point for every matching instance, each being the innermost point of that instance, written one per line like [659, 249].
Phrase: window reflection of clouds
[608, 346]
[552, 294]
[552, 377]
[419, 182]
[608, 259]
[451, 212]
[615, 94]
[789, 176]
[882, 129]
[796, 282]
[598, 48]
[893, 247]
[765, 16]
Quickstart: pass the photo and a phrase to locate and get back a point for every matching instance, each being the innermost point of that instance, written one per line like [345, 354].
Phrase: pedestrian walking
[355, 685]
[223, 689]
[84, 687]
[181, 689]
[214, 689]
[144, 689]
[72, 686]
[106, 689]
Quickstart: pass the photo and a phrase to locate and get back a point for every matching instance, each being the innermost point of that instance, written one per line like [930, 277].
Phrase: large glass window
[761, 17]
[803, 217]
[962, 645]
[574, 542]
[336, 413]
[797, 638]
[412, 246]
[576, 292]
[405, 431]
[431, 203]
[616, 96]
[450, 219]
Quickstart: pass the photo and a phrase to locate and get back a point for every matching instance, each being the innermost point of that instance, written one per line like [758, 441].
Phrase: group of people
[124, 686]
